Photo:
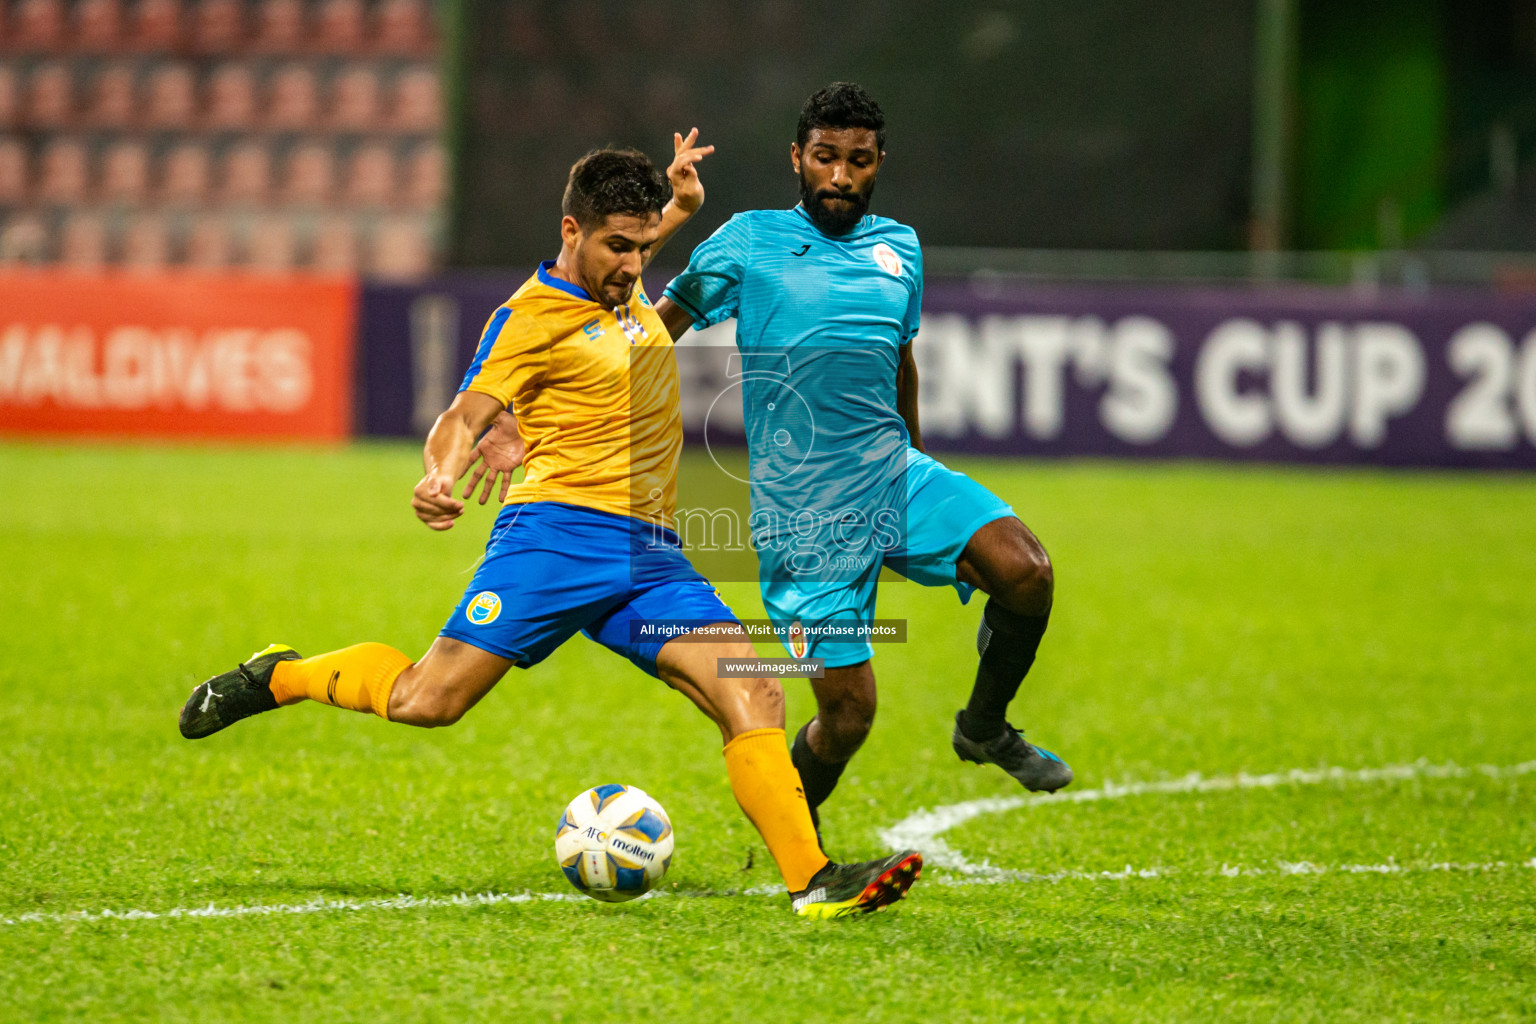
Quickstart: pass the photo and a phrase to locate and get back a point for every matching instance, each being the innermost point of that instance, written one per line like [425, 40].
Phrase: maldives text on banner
[177, 354]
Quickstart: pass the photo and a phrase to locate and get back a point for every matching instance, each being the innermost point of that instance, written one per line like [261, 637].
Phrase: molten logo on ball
[614, 842]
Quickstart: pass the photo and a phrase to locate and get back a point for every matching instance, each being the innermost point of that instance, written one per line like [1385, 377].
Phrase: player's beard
[839, 219]
[626, 291]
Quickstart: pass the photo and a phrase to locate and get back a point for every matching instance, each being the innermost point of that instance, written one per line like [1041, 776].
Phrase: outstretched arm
[906, 394]
[675, 317]
[687, 190]
[447, 455]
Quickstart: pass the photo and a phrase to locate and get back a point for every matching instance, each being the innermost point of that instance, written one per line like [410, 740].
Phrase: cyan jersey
[820, 321]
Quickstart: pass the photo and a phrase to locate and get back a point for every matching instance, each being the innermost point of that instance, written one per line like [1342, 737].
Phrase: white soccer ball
[614, 842]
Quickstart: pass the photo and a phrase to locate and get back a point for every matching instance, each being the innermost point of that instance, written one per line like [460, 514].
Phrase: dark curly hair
[841, 105]
[610, 181]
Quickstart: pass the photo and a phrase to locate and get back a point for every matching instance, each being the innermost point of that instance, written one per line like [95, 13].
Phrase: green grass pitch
[1209, 619]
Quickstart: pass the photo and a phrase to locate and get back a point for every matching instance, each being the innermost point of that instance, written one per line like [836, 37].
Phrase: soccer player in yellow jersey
[580, 368]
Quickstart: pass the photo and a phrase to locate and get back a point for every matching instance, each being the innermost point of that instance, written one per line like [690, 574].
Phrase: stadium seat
[50, 96]
[111, 103]
[417, 102]
[156, 26]
[184, 175]
[232, 98]
[342, 26]
[401, 249]
[210, 244]
[310, 177]
[335, 248]
[280, 26]
[64, 173]
[292, 100]
[355, 99]
[371, 176]
[271, 245]
[403, 27]
[83, 242]
[10, 102]
[665, 98]
[170, 97]
[247, 174]
[544, 104]
[523, 33]
[146, 242]
[36, 26]
[426, 177]
[219, 26]
[13, 172]
[24, 239]
[125, 174]
[98, 25]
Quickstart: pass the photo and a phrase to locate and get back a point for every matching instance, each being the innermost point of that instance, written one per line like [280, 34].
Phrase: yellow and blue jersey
[595, 392]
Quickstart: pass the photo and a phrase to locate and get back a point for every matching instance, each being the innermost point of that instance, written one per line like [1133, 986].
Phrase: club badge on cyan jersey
[886, 259]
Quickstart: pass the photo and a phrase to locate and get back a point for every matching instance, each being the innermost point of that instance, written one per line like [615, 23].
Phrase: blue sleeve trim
[487, 342]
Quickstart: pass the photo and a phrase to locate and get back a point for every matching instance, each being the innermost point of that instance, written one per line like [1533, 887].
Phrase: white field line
[992, 876]
[918, 831]
[924, 829]
[318, 906]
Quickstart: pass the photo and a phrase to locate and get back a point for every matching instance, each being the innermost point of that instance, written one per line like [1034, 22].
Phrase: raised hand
[687, 190]
[499, 452]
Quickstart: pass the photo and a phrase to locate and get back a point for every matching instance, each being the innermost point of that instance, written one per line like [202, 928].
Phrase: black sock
[1007, 642]
[817, 777]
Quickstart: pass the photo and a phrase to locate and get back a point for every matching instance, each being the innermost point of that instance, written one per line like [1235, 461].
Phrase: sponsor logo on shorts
[797, 644]
[484, 609]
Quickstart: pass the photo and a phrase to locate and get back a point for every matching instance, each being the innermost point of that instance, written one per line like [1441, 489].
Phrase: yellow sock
[359, 678]
[768, 788]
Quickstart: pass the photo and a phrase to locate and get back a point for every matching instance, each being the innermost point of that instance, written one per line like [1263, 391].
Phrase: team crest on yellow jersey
[484, 609]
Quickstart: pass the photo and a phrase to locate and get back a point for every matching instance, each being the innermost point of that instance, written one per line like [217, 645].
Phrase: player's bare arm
[906, 394]
[687, 189]
[673, 316]
[447, 455]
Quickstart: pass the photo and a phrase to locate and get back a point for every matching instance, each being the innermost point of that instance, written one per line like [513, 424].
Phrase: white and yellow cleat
[841, 890]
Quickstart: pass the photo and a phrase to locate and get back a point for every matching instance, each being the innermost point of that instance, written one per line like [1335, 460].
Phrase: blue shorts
[552, 569]
[944, 509]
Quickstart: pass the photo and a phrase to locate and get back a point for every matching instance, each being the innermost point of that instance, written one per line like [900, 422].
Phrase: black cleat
[225, 699]
[1037, 768]
[840, 890]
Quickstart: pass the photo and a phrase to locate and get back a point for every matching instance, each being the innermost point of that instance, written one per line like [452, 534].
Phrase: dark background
[1101, 124]
[1031, 124]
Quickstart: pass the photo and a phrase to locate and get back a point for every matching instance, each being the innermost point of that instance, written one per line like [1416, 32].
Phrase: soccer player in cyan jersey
[585, 366]
[826, 299]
